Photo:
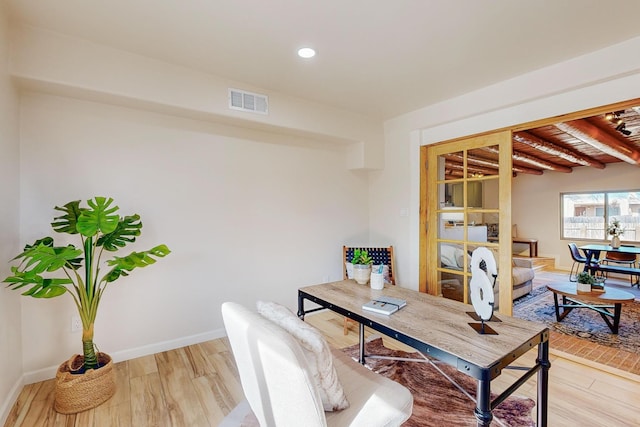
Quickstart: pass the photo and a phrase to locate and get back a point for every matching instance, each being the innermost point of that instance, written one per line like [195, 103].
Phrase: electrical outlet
[76, 323]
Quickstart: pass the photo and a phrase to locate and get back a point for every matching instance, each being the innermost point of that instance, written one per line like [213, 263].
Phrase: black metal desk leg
[543, 383]
[300, 307]
[361, 333]
[483, 404]
[555, 303]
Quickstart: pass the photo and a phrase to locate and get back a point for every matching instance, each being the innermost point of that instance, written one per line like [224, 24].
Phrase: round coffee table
[597, 301]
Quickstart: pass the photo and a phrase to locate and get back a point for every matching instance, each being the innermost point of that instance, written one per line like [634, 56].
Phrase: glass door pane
[463, 197]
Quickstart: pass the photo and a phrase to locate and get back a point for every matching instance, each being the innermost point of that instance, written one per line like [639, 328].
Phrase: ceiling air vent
[248, 101]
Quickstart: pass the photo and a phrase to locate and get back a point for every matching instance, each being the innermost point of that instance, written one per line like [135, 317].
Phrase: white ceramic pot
[361, 273]
[615, 242]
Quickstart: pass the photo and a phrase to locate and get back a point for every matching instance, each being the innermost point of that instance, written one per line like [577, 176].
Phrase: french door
[465, 203]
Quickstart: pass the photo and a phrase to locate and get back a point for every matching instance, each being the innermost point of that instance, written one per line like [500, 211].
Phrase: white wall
[246, 217]
[10, 319]
[600, 78]
[389, 207]
[252, 206]
[536, 202]
[96, 72]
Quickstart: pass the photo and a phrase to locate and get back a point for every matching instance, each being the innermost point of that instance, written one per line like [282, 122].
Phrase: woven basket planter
[79, 392]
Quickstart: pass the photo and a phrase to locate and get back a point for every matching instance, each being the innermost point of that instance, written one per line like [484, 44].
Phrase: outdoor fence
[594, 228]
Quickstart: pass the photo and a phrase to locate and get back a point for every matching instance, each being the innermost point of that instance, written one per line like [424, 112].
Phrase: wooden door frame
[422, 259]
[429, 221]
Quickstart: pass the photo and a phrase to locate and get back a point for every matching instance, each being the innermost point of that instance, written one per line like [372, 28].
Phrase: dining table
[592, 254]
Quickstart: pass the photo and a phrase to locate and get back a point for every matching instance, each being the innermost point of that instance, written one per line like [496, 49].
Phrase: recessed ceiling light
[306, 52]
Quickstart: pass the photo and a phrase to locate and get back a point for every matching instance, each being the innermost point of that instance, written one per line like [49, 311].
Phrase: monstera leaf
[100, 218]
[40, 287]
[122, 266]
[43, 258]
[45, 241]
[39, 258]
[67, 223]
[126, 232]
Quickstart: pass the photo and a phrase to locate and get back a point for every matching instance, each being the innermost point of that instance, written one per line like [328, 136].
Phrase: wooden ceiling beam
[555, 150]
[522, 169]
[479, 161]
[458, 158]
[470, 168]
[601, 140]
[452, 174]
[525, 158]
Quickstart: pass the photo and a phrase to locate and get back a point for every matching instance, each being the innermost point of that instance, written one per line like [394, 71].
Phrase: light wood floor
[198, 385]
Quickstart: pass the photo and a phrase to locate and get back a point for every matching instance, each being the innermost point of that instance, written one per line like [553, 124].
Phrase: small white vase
[615, 242]
[361, 273]
[377, 281]
[349, 268]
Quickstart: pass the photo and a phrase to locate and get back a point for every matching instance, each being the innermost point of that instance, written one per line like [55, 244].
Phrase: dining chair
[578, 259]
[380, 255]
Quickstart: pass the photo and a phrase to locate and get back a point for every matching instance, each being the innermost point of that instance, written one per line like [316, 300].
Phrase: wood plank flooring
[198, 385]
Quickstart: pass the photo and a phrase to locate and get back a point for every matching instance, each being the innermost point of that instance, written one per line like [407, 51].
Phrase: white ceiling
[379, 58]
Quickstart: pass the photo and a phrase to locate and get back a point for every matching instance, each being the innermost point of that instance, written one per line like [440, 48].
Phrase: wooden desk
[602, 302]
[439, 327]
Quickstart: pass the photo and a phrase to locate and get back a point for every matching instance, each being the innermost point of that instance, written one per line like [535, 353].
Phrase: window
[585, 216]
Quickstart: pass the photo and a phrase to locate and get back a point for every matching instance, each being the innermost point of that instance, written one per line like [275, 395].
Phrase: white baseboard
[122, 355]
[11, 399]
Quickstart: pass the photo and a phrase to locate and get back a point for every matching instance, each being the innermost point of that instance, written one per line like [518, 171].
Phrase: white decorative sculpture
[481, 285]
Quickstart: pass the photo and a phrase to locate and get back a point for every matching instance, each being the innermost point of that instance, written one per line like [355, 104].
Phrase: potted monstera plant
[46, 270]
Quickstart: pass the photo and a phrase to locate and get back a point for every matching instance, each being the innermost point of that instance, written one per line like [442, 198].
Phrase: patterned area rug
[582, 323]
[437, 402]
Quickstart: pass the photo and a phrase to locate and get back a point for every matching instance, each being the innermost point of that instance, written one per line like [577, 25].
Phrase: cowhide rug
[436, 402]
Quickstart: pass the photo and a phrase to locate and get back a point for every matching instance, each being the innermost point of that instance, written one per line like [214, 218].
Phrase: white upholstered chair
[277, 382]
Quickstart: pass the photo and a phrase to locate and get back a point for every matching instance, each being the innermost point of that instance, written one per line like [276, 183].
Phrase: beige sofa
[451, 257]
[523, 275]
